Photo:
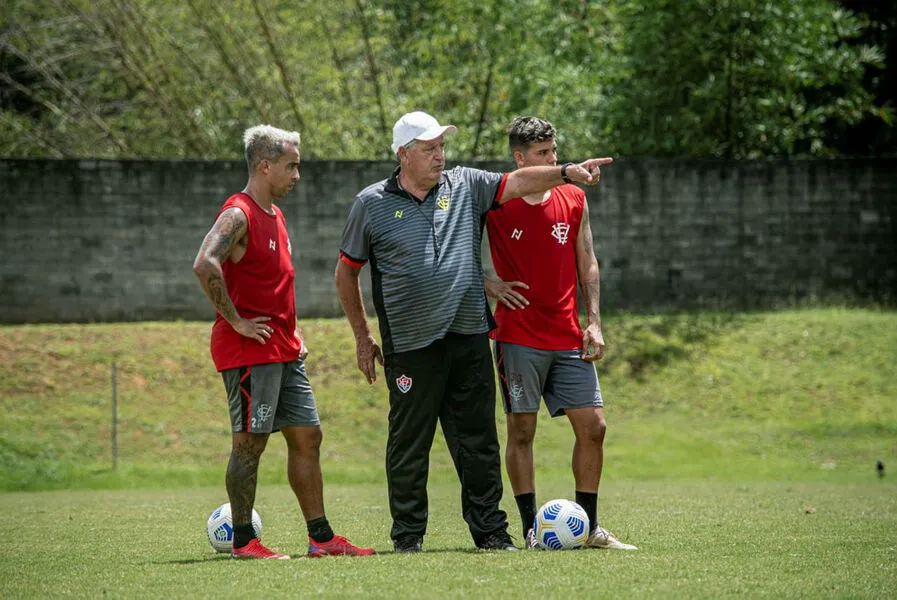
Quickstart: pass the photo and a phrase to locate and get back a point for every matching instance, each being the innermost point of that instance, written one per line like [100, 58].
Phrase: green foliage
[739, 78]
[166, 78]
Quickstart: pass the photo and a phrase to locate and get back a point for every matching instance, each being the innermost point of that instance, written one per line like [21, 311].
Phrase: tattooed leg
[242, 474]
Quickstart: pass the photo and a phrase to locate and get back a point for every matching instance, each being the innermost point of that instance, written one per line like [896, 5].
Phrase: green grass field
[740, 458]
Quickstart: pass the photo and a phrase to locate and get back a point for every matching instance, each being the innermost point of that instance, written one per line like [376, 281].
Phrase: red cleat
[338, 546]
[254, 549]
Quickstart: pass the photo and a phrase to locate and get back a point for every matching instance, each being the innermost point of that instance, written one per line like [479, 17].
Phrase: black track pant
[450, 380]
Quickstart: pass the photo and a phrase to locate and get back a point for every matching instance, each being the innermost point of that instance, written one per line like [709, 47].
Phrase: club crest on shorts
[516, 387]
[404, 383]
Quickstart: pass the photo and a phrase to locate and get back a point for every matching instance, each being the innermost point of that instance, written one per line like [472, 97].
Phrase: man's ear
[518, 158]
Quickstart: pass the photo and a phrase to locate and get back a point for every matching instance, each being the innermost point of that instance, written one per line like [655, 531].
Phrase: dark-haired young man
[542, 244]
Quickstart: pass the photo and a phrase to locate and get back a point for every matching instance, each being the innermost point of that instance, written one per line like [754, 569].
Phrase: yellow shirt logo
[398, 214]
[443, 202]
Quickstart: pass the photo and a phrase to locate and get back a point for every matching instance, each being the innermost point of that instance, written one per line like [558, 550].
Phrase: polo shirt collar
[392, 184]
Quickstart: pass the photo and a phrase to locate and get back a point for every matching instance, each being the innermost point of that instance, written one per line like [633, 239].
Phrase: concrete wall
[115, 240]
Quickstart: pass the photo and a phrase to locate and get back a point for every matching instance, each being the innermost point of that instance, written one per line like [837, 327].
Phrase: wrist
[564, 168]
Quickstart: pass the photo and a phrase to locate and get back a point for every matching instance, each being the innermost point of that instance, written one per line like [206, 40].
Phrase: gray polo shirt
[426, 274]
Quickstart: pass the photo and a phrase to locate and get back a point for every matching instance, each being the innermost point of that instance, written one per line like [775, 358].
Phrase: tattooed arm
[218, 246]
[590, 286]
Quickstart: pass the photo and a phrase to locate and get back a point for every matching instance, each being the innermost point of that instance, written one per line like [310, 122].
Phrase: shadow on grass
[225, 557]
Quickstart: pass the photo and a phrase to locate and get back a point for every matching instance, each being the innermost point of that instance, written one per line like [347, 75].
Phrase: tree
[739, 78]
[184, 78]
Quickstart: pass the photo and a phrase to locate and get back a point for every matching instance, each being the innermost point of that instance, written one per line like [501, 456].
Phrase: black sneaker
[500, 540]
[408, 544]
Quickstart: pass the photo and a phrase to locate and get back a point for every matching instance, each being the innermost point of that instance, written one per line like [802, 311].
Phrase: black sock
[319, 530]
[589, 503]
[243, 534]
[526, 504]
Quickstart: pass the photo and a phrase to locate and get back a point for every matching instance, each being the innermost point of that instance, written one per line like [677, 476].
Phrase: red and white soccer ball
[561, 525]
[220, 528]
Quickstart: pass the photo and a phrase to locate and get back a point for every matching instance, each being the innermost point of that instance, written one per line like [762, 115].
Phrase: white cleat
[531, 542]
[602, 538]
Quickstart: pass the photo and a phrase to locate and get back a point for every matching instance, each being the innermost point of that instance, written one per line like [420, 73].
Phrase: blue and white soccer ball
[561, 525]
[220, 528]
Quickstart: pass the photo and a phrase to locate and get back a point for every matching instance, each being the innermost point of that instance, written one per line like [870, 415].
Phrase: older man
[421, 230]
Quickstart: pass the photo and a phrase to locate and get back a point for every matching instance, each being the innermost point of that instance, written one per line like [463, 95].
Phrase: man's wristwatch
[564, 172]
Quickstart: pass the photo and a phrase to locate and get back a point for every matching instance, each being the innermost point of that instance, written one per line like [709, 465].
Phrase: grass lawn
[697, 539]
[740, 458]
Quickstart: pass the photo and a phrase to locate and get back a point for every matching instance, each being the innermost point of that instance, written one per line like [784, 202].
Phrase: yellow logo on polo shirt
[398, 214]
[443, 202]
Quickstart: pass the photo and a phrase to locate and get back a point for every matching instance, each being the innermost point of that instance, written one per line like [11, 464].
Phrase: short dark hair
[529, 130]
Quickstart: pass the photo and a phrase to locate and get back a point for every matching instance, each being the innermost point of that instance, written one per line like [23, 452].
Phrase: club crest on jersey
[560, 231]
[443, 202]
[517, 234]
[398, 214]
[404, 383]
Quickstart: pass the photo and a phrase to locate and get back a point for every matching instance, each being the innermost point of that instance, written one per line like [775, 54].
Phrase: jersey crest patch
[443, 202]
[560, 231]
[404, 383]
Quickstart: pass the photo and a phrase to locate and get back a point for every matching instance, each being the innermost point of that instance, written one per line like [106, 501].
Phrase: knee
[521, 435]
[307, 441]
[592, 432]
[597, 431]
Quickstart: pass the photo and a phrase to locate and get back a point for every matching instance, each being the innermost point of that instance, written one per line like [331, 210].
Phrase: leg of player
[589, 427]
[241, 481]
[304, 474]
[521, 469]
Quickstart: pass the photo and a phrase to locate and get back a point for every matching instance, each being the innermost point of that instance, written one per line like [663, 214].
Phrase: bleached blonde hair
[265, 142]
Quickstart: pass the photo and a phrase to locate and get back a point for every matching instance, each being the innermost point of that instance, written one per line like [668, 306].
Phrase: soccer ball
[220, 528]
[561, 525]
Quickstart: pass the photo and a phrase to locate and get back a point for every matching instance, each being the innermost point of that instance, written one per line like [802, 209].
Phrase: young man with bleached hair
[246, 269]
[541, 244]
[420, 229]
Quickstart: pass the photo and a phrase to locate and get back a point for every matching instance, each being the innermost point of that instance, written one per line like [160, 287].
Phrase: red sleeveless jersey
[536, 244]
[261, 284]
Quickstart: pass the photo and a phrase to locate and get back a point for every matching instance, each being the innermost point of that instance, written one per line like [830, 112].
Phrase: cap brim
[432, 134]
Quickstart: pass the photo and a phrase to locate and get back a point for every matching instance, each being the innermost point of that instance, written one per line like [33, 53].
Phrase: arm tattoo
[224, 236]
[220, 298]
[227, 231]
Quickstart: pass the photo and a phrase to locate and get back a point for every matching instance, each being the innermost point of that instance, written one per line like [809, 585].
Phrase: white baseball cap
[418, 126]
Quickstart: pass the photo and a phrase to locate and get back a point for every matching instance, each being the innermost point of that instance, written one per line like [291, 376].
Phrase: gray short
[267, 398]
[562, 377]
